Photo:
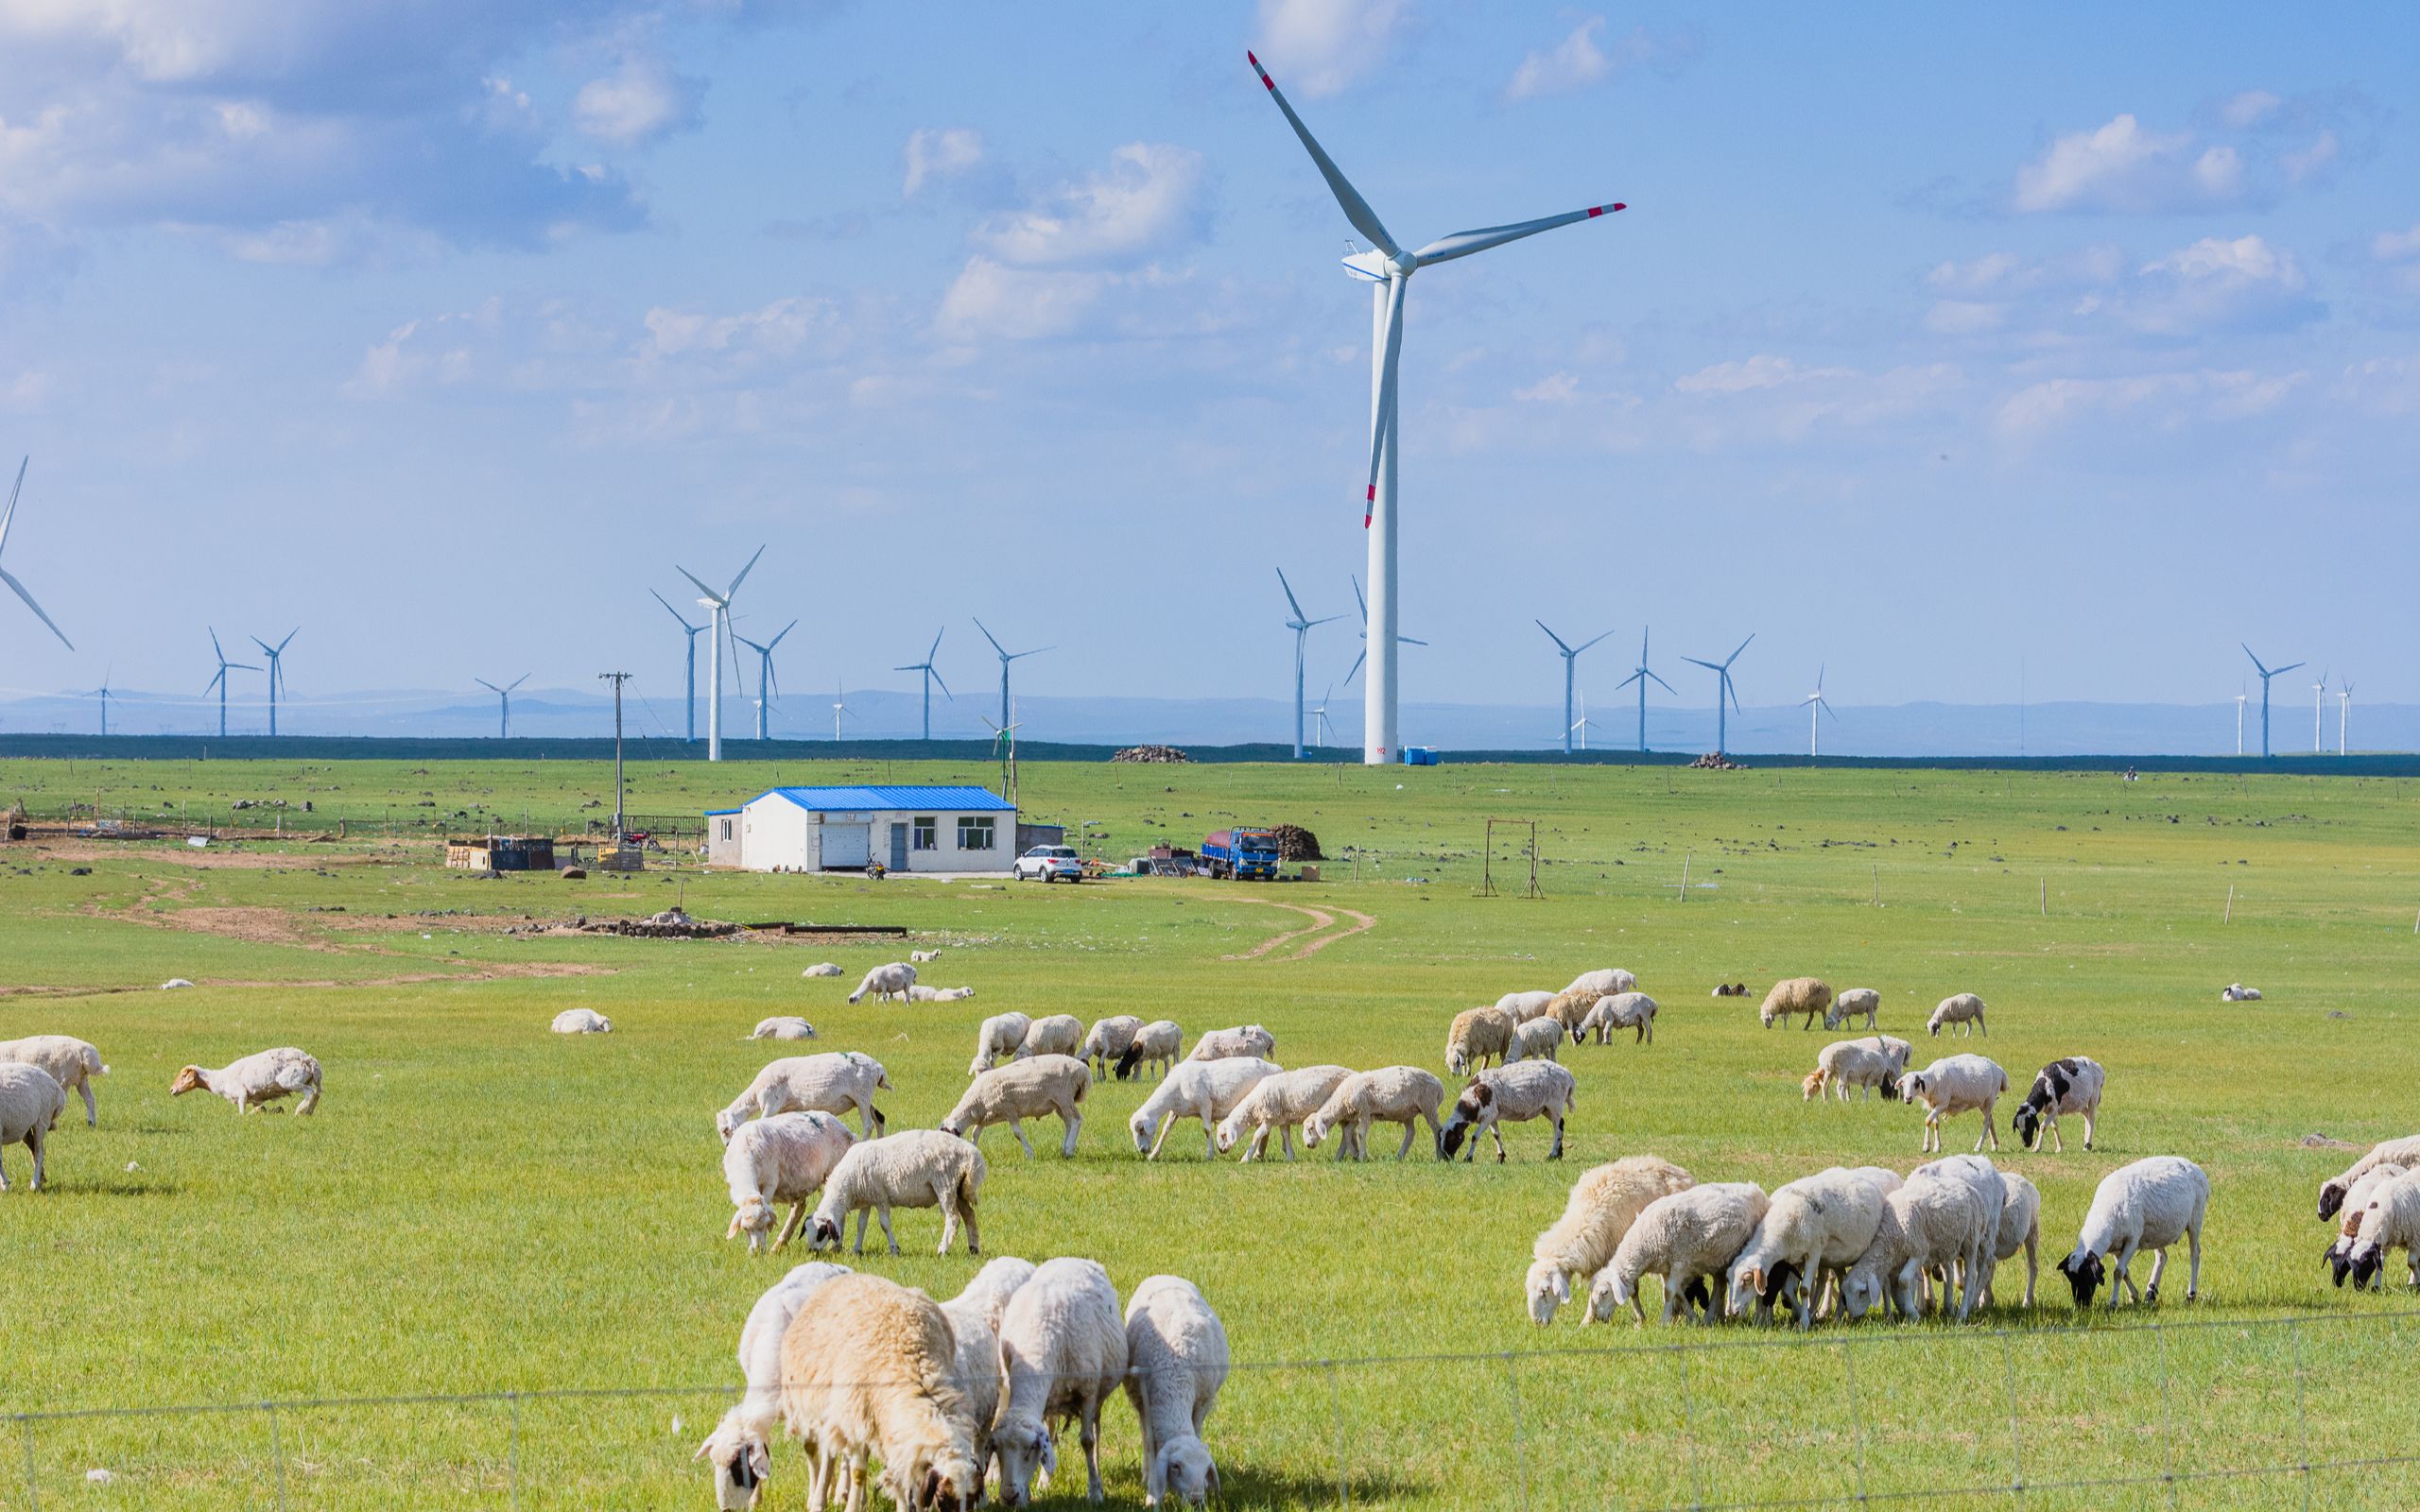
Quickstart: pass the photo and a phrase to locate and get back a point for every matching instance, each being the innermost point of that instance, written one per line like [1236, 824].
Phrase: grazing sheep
[582, 1020]
[2147, 1205]
[920, 993]
[886, 982]
[1390, 1094]
[1992, 1187]
[787, 1027]
[1476, 1037]
[1846, 1063]
[1208, 1089]
[1279, 1103]
[916, 1168]
[1057, 1034]
[867, 1368]
[1249, 1040]
[1962, 1008]
[1604, 1202]
[257, 1079]
[821, 969]
[1809, 995]
[920, 958]
[1851, 1003]
[1176, 1361]
[740, 1447]
[1514, 1093]
[1934, 1222]
[2403, 1152]
[1896, 1050]
[1537, 1040]
[2389, 1220]
[1684, 1237]
[2338, 1256]
[1524, 1006]
[1571, 1009]
[1812, 1230]
[1955, 1084]
[833, 1082]
[1063, 1354]
[782, 1158]
[2020, 1228]
[2238, 993]
[1622, 1010]
[70, 1062]
[975, 1324]
[997, 1038]
[1603, 982]
[2069, 1086]
[1022, 1090]
[1106, 1040]
[31, 1103]
[1156, 1043]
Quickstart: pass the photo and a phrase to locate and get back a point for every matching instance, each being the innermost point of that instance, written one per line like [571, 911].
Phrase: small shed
[502, 853]
[848, 829]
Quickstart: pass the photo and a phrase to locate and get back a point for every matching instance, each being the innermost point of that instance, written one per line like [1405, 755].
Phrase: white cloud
[2124, 168]
[1763, 371]
[2397, 245]
[1318, 48]
[1148, 197]
[2313, 160]
[989, 300]
[1964, 318]
[1555, 388]
[940, 154]
[2249, 109]
[2168, 400]
[638, 102]
[779, 329]
[2220, 285]
[1584, 59]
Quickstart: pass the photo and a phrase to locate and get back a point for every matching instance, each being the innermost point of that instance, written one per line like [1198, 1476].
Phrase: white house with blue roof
[846, 829]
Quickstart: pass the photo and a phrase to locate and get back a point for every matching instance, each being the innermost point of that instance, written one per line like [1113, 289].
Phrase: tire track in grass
[1322, 921]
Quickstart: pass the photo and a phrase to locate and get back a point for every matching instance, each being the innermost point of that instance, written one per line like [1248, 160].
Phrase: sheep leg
[1075, 1122]
[1672, 1299]
[2193, 1278]
[2089, 1120]
[1285, 1139]
[2033, 1264]
[1017, 1128]
[2159, 1268]
[1496, 1130]
[1209, 1139]
[1410, 1126]
[791, 1225]
[883, 1213]
[861, 1228]
[1168, 1122]
[2058, 1140]
[2119, 1280]
[91, 1112]
[1554, 1151]
[1088, 1430]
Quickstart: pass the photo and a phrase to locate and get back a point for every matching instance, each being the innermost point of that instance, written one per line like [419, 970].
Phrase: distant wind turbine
[1814, 702]
[689, 635]
[839, 709]
[931, 676]
[1723, 688]
[103, 694]
[2318, 712]
[767, 683]
[1581, 724]
[219, 681]
[1007, 656]
[1365, 649]
[2265, 675]
[1302, 627]
[276, 655]
[6, 516]
[2343, 715]
[1642, 677]
[504, 696]
[1319, 713]
[1570, 655]
[2239, 718]
[719, 608]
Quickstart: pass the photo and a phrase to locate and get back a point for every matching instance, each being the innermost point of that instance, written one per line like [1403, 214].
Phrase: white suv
[1049, 863]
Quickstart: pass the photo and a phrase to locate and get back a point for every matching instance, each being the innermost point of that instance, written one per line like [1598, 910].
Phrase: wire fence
[2287, 1412]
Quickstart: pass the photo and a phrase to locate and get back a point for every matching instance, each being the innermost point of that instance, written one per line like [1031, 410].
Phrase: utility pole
[617, 678]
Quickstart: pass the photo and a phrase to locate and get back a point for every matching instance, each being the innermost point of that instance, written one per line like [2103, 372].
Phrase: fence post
[1857, 1413]
[1690, 1417]
[33, 1485]
[277, 1452]
[1335, 1410]
[2015, 1446]
[2302, 1421]
[2167, 1417]
[1520, 1450]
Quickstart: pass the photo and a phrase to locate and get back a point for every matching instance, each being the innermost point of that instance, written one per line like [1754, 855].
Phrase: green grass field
[482, 1207]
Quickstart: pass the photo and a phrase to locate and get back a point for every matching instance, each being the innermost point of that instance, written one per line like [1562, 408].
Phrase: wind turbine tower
[1388, 268]
[2265, 675]
[1815, 704]
[219, 681]
[2343, 715]
[103, 694]
[1007, 656]
[504, 696]
[1301, 625]
[1319, 713]
[1581, 724]
[931, 676]
[767, 683]
[2318, 713]
[1642, 677]
[1570, 660]
[7, 515]
[2239, 719]
[689, 633]
[717, 607]
[1722, 688]
[276, 672]
[839, 709]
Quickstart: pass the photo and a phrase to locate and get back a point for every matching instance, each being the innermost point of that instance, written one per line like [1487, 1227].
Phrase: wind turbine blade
[266, 646]
[786, 630]
[733, 588]
[1359, 600]
[1382, 424]
[1661, 683]
[988, 636]
[1710, 666]
[2288, 667]
[1463, 243]
[674, 612]
[2256, 661]
[217, 650]
[289, 639]
[485, 683]
[711, 594]
[1356, 209]
[1729, 687]
[1293, 603]
[519, 681]
[1556, 639]
[10, 513]
[1410, 640]
[1743, 646]
[1330, 619]
[216, 680]
[1036, 651]
[20, 587]
[1585, 644]
[1627, 681]
[946, 692]
[936, 642]
[1357, 659]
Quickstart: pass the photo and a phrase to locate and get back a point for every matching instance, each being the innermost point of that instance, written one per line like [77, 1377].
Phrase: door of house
[899, 847]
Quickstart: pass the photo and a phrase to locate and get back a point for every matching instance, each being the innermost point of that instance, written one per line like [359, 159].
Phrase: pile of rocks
[1150, 753]
[1714, 760]
[1295, 843]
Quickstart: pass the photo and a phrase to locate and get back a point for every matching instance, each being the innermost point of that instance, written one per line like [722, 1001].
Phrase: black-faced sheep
[1685, 1238]
[1155, 1044]
[920, 1168]
[2404, 1152]
[2147, 1205]
[2069, 1085]
[1513, 1095]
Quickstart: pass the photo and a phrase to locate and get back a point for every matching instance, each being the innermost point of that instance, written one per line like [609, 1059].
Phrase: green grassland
[482, 1207]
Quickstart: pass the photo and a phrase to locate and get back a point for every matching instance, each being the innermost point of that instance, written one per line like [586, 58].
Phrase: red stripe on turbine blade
[1594, 210]
[1617, 206]
[1373, 494]
[1365, 522]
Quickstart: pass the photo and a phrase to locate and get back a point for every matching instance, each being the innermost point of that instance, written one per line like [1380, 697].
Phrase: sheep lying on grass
[822, 968]
[1208, 1089]
[867, 1368]
[920, 958]
[919, 1168]
[31, 1103]
[1021, 1089]
[1105, 1042]
[2238, 993]
[787, 1027]
[1248, 1041]
[1684, 1238]
[1514, 1093]
[833, 1082]
[1063, 1354]
[920, 993]
[1622, 1010]
[782, 1158]
[1176, 1361]
[1807, 995]
[1952, 1085]
[70, 1062]
[1603, 1203]
[257, 1079]
[2404, 1152]
[740, 1447]
[1962, 1008]
[1279, 1103]
[1154, 1045]
[1390, 1094]
[1850, 1004]
[886, 982]
[2147, 1205]
[996, 1038]
[1476, 1037]
[582, 1020]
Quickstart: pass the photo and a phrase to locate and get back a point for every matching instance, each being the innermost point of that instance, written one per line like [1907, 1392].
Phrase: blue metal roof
[820, 799]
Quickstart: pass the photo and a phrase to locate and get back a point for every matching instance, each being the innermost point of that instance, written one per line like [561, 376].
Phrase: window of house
[926, 834]
[726, 829]
[974, 833]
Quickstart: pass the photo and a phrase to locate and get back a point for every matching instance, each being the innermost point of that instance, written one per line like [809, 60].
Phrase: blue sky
[1934, 339]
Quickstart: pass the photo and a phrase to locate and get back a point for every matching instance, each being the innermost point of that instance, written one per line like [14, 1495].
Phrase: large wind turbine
[7, 515]
[767, 683]
[1302, 627]
[1388, 268]
[2318, 712]
[219, 681]
[103, 694]
[2265, 675]
[2343, 715]
[1364, 655]
[689, 635]
[719, 614]
[1814, 701]
[1642, 677]
[1722, 688]
[1570, 659]
[1007, 656]
[504, 696]
[2239, 719]
[276, 655]
[931, 676]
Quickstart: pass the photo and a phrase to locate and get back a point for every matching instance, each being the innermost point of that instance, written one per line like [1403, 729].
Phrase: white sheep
[257, 1079]
[1603, 982]
[1063, 1354]
[1057, 1034]
[975, 1324]
[1514, 1093]
[2020, 1228]
[1809, 995]
[1683, 1237]
[1106, 1040]
[788, 1026]
[1603, 1203]
[782, 1158]
[1156, 1043]
[920, 958]
[886, 982]
[1812, 1231]
[2238, 993]
[1208, 1089]
[1846, 1063]
[1021, 1089]
[2339, 1254]
[1476, 1037]
[822, 968]
[1851, 1003]
[867, 1368]
[2147, 1205]
[916, 1168]
[1390, 1094]
[1931, 1223]
[1622, 1010]
[920, 993]
[740, 1447]
[1524, 1006]
[1897, 1051]
[1247, 1040]
[1992, 1187]
[2069, 1085]
[1279, 1103]
[1962, 1008]
[833, 1082]
[31, 1103]
[1538, 1039]
[1176, 1361]
[2404, 1152]
[2390, 1219]
[582, 1020]
[996, 1038]
[1956, 1084]
[72, 1062]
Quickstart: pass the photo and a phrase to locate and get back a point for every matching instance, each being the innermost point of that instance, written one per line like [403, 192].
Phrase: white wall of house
[774, 833]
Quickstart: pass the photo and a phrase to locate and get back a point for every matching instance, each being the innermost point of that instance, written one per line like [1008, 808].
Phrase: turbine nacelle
[1371, 266]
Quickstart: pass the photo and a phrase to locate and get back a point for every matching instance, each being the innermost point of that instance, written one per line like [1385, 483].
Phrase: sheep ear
[732, 1233]
[1213, 1482]
[704, 1449]
[1562, 1285]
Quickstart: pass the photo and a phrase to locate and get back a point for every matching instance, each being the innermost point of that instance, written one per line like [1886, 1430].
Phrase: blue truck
[1240, 852]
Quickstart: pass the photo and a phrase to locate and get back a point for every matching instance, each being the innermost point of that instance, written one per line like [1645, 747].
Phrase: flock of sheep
[38, 1072]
